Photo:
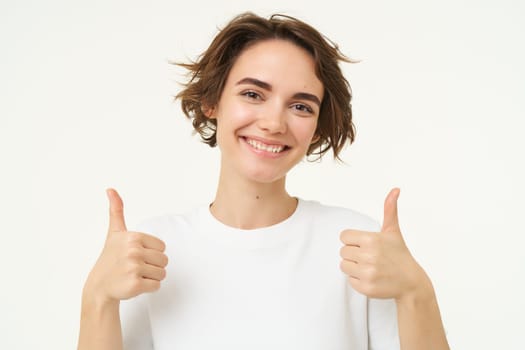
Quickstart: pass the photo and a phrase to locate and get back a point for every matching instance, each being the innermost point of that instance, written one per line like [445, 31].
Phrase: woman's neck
[245, 204]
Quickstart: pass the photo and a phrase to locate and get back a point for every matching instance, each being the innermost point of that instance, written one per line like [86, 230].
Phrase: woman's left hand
[379, 264]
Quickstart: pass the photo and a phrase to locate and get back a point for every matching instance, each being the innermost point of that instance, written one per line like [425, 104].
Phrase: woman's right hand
[130, 264]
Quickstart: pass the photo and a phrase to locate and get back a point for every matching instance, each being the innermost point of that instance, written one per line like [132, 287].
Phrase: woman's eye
[252, 95]
[303, 108]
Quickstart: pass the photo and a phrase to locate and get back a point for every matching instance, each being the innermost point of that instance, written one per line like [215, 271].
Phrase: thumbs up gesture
[131, 263]
[379, 264]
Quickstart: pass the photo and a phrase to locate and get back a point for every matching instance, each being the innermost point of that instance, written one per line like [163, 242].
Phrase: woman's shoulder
[338, 215]
[169, 222]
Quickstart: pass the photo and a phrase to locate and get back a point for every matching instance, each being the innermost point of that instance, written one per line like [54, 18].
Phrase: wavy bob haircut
[208, 75]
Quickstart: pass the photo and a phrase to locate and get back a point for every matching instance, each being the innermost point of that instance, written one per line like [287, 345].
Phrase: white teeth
[264, 147]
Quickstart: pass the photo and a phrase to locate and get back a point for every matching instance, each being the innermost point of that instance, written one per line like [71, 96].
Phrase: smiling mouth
[261, 146]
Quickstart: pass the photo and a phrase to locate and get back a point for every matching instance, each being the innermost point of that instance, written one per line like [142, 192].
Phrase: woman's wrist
[421, 293]
[94, 301]
[99, 321]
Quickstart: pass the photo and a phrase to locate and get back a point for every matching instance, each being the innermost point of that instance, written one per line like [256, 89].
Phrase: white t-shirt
[278, 287]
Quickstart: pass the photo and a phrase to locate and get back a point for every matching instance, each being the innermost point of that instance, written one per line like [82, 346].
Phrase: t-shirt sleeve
[382, 325]
[136, 327]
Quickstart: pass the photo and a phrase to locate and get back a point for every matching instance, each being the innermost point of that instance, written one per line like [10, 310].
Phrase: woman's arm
[130, 264]
[379, 265]
[419, 320]
[99, 324]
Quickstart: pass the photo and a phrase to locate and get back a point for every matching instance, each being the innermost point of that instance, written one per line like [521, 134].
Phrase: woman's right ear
[209, 112]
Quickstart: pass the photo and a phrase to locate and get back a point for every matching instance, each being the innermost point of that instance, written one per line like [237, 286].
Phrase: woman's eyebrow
[266, 86]
[308, 97]
[256, 82]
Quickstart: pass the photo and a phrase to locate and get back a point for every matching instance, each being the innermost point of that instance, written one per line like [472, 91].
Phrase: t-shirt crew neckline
[284, 230]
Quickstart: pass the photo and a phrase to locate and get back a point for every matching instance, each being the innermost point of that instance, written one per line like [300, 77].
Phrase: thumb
[390, 219]
[116, 211]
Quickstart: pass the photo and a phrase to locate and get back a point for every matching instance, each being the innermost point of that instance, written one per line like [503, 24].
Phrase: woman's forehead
[279, 63]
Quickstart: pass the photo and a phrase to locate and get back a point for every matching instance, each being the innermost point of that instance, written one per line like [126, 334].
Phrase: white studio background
[86, 103]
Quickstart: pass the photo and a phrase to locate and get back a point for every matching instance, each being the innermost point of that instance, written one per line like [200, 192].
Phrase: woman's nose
[272, 120]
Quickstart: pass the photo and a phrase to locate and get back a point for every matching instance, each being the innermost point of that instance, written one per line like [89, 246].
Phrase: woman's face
[268, 111]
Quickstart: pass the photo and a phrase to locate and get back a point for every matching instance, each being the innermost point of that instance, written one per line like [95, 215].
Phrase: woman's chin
[266, 179]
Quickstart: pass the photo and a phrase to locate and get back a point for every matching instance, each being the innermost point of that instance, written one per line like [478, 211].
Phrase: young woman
[259, 268]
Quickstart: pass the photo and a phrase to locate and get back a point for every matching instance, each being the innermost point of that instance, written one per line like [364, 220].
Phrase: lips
[265, 146]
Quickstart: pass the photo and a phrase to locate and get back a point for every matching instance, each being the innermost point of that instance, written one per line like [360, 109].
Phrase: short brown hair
[208, 75]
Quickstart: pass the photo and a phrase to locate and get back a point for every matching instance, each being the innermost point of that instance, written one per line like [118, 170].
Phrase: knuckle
[372, 259]
[342, 265]
[370, 273]
[134, 238]
[155, 285]
[133, 268]
[135, 285]
[346, 235]
[368, 289]
[342, 251]
[134, 253]
[165, 260]
[370, 239]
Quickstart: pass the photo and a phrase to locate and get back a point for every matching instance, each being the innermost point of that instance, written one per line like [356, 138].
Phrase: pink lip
[265, 141]
[263, 153]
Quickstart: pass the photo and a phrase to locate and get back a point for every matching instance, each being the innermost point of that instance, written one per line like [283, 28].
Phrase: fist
[130, 264]
[379, 264]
